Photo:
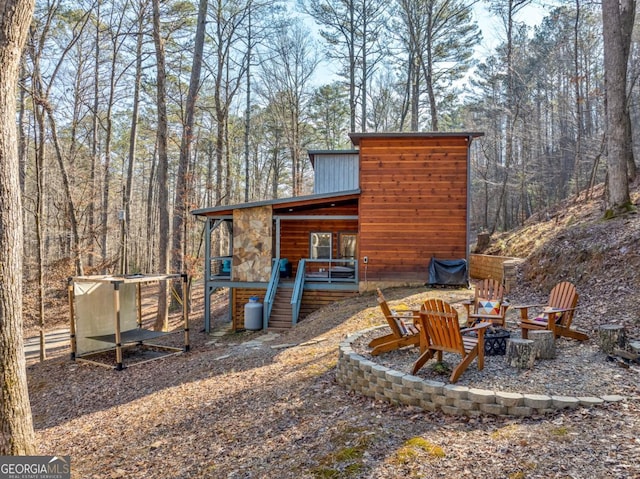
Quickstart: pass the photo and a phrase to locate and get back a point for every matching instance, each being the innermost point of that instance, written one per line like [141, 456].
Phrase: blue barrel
[253, 314]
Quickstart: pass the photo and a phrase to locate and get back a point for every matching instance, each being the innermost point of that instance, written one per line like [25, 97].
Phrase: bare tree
[117, 35]
[133, 139]
[507, 11]
[41, 91]
[16, 426]
[286, 77]
[228, 69]
[162, 319]
[180, 207]
[439, 37]
[95, 124]
[352, 30]
[617, 26]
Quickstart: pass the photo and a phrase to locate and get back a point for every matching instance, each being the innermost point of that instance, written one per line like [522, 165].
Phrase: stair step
[280, 318]
[280, 311]
[282, 304]
[279, 326]
[283, 297]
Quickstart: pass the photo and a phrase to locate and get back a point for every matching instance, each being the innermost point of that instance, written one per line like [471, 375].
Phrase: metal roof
[307, 200]
[356, 137]
[313, 153]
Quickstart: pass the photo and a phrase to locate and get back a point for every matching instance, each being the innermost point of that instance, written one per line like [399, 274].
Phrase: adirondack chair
[441, 333]
[488, 304]
[556, 315]
[404, 331]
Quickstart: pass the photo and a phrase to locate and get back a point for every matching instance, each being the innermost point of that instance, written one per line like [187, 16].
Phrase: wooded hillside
[249, 87]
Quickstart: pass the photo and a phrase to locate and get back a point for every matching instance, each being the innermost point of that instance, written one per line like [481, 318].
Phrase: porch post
[277, 237]
[207, 273]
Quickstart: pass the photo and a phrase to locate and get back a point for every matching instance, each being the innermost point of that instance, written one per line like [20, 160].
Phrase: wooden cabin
[377, 216]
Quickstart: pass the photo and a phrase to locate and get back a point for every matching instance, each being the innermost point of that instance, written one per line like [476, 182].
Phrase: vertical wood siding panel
[413, 204]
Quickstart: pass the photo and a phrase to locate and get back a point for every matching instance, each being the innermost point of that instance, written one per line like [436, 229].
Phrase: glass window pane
[320, 245]
[348, 243]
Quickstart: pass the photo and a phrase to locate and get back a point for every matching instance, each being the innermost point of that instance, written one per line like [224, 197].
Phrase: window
[320, 245]
[347, 245]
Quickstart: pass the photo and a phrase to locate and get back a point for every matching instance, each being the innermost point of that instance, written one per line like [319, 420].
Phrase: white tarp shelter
[106, 313]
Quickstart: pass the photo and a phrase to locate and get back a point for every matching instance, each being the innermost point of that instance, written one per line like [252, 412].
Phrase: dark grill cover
[448, 272]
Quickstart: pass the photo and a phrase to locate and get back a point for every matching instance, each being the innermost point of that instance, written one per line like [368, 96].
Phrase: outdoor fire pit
[495, 341]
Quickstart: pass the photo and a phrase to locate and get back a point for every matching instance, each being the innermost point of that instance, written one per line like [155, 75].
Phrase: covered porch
[294, 254]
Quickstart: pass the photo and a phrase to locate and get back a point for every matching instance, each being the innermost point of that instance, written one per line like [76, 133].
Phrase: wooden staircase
[280, 318]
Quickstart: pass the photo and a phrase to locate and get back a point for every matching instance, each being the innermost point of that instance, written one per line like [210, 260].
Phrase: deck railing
[220, 267]
[298, 289]
[332, 270]
[271, 292]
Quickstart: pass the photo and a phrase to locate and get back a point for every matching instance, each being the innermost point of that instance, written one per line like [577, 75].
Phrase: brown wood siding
[341, 209]
[413, 204]
[294, 236]
[314, 300]
[240, 297]
[311, 301]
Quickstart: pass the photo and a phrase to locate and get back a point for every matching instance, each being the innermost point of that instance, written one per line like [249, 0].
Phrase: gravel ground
[579, 369]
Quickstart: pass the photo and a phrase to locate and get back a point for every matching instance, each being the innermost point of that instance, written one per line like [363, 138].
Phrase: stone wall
[365, 377]
[252, 244]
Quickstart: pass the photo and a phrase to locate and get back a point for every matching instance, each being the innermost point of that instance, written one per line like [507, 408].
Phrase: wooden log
[544, 342]
[521, 353]
[626, 354]
[610, 337]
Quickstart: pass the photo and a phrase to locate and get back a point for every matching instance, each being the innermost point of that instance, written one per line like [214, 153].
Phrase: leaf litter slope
[228, 409]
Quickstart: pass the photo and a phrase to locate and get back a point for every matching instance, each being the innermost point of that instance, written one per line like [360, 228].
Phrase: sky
[491, 27]
[489, 24]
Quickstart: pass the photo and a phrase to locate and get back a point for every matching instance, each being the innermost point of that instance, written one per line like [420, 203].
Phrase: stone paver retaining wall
[368, 378]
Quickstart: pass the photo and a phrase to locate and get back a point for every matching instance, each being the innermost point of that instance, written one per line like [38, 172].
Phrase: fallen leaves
[278, 413]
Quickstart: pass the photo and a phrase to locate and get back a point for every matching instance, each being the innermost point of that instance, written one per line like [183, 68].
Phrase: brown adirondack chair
[556, 315]
[440, 332]
[404, 331]
[488, 304]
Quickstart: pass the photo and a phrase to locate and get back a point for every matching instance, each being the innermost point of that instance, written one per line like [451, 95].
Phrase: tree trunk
[181, 207]
[247, 119]
[415, 95]
[352, 65]
[162, 319]
[579, 101]
[71, 211]
[151, 211]
[365, 74]
[94, 140]
[520, 353]
[22, 137]
[617, 25]
[16, 427]
[544, 342]
[133, 139]
[39, 157]
[106, 177]
[610, 337]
